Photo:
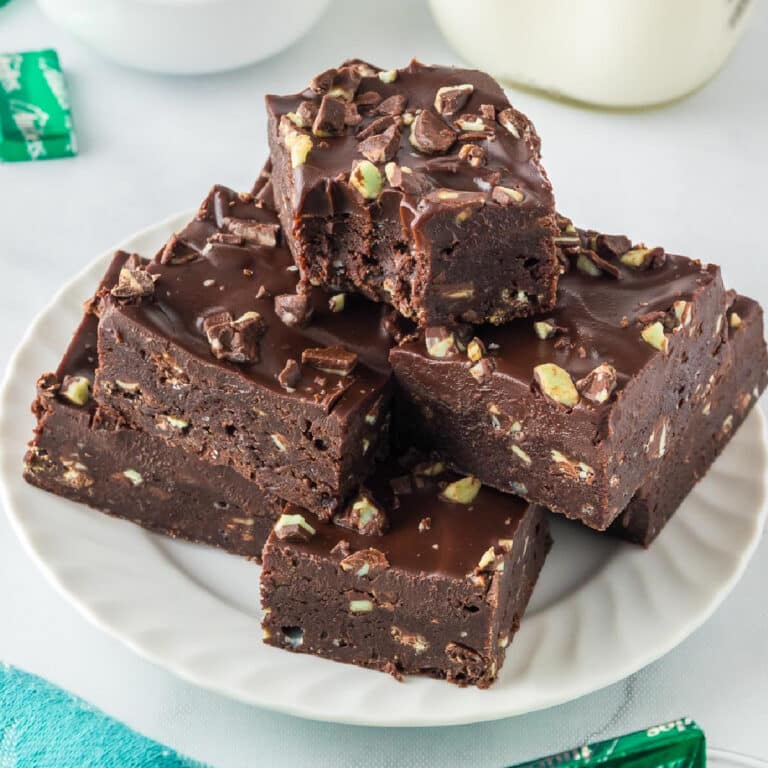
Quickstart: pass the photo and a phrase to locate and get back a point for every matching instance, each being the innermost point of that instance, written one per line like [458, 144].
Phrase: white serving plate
[601, 611]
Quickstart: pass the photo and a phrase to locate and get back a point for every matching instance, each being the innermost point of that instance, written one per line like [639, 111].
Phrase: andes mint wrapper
[677, 744]
[35, 119]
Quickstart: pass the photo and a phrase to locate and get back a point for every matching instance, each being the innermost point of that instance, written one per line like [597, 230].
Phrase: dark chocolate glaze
[80, 358]
[592, 312]
[458, 534]
[515, 159]
[216, 277]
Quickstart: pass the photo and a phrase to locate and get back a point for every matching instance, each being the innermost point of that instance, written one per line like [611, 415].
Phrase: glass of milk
[609, 53]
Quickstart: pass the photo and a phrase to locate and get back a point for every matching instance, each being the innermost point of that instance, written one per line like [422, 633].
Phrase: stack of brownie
[378, 369]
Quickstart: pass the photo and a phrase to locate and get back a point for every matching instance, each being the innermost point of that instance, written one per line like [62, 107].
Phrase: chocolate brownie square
[82, 452]
[576, 408]
[438, 589]
[421, 187]
[213, 348]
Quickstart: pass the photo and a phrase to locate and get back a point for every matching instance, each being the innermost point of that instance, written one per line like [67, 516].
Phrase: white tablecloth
[693, 177]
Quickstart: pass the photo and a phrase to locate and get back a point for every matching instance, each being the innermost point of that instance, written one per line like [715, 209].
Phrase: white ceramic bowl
[185, 36]
[615, 53]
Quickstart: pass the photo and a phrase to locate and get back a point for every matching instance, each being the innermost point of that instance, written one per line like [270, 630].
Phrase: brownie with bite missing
[421, 187]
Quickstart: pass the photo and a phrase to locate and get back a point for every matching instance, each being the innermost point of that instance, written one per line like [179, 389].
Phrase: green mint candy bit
[677, 744]
[35, 119]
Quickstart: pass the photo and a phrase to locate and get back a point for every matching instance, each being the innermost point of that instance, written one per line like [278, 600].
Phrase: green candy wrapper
[35, 120]
[678, 744]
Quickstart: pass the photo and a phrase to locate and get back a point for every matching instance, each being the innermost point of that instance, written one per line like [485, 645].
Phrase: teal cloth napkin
[43, 726]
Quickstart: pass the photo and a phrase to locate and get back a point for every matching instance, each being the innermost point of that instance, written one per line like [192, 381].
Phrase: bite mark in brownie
[420, 187]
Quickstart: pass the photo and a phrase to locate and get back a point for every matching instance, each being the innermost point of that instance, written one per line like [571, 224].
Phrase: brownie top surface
[419, 117]
[598, 319]
[217, 264]
[453, 540]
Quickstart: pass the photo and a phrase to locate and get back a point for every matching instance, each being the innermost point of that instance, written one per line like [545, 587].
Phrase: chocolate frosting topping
[598, 319]
[403, 103]
[212, 270]
[457, 534]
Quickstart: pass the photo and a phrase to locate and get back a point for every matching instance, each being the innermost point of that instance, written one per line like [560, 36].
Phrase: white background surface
[692, 177]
